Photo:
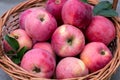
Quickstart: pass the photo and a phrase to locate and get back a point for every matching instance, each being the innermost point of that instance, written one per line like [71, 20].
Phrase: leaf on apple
[21, 52]
[10, 52]
[17, 58]
[104, 8]
[108, 13]
[12, 42]
[16, 54]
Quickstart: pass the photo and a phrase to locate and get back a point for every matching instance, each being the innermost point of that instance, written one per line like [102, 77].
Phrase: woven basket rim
[4, 60]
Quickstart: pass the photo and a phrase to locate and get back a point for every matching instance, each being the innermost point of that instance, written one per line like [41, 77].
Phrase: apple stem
[16, 37]
[103, 52]
[57, 1]
[36, 69]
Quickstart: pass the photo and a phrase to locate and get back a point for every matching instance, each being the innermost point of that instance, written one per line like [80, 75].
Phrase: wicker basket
[9, 22]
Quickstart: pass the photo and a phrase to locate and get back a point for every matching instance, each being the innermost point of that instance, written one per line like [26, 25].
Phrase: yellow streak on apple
[63, 49]
[79, 69]
[62, 30]
[77, 41]
[82, 65]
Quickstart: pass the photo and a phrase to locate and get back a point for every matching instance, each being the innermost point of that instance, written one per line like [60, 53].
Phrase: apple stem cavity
[69, 41]
[36, 69]
[57, 1]
[41, 19]
[102, 52]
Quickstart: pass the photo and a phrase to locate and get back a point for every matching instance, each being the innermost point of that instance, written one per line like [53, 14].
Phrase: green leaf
[12, 42]
[108, 13]
[84, 1]
[10, 52]
[21, 53]
[102, 6]
[16, 60]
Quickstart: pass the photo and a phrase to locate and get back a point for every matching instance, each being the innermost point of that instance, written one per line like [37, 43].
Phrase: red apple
[21, 36]
[71, 67]
[40, 25]
[24, 14]
[39, 62]
[77, 13]
[96, 55]
[67, 40]
[100, 29]
[55, 8]
[46, 46]
[6, 46]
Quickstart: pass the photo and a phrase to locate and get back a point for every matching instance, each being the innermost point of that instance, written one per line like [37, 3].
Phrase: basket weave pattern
[9, 22]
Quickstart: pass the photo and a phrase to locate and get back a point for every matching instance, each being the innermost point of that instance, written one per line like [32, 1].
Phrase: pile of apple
[64, 39]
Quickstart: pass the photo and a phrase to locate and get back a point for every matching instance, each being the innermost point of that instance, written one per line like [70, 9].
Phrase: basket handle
[114, 5]
[0, 25]
[1, 54]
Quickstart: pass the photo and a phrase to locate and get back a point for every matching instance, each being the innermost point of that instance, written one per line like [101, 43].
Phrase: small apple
[55, 8]
[46, 46]
[100, 29]
[40, 25]
[67, 40]
[77, 13]
[71, 67]
[21, 36]
[24, 14]
[96, 55]
[39, 62]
